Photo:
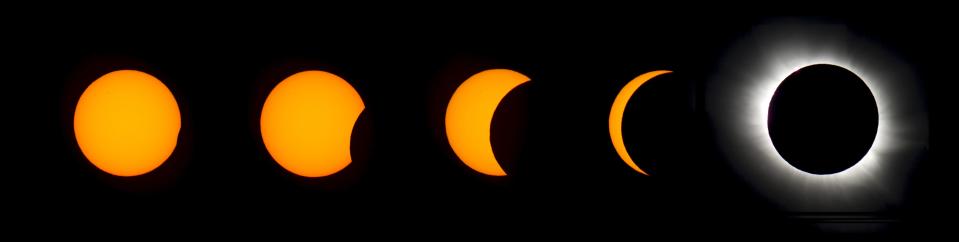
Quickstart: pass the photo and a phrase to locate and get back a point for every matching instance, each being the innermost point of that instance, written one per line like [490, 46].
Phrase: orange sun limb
[616, 116]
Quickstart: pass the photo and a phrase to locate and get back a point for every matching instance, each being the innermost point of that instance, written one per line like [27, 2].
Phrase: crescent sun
[616, 116]
[470, 112]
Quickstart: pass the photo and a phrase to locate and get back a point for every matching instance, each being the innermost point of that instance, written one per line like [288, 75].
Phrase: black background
[551, 134]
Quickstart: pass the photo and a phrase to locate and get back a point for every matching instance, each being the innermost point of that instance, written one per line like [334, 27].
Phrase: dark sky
[551, 134]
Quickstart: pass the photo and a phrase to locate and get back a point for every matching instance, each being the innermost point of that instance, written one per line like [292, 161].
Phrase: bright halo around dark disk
[817, 118]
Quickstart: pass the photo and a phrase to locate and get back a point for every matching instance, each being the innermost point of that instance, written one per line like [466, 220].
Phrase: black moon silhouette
[823, 119]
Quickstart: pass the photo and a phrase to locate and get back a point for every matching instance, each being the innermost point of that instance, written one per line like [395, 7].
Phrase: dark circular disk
[823, 119]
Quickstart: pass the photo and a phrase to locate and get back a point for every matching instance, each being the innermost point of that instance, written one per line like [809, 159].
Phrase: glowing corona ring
[738, 101]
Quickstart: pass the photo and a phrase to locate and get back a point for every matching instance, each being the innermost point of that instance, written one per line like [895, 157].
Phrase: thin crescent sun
[616, 116]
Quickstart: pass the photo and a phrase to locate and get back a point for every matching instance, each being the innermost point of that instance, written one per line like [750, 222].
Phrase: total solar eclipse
[814, 116]
[818, 117]
[823, 119]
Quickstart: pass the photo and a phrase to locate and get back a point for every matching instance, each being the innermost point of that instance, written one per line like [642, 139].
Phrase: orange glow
[616, 116]
[470, 113]
[307, 123]
[127, 123]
